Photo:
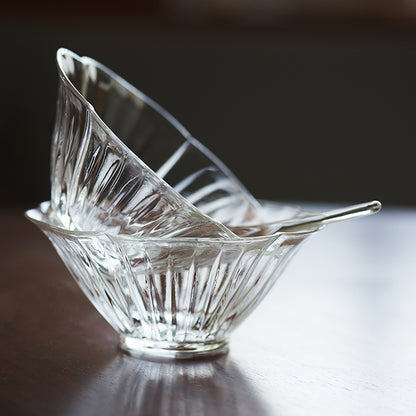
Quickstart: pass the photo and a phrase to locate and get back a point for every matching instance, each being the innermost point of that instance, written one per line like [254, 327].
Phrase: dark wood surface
[335, 336]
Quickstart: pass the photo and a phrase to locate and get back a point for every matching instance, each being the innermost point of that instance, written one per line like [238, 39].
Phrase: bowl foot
[142, 347]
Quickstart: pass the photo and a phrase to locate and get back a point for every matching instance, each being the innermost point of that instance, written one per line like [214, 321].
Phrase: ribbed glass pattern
[121, 164]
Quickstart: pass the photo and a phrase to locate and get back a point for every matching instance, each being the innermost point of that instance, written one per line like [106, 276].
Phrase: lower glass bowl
[172, 297]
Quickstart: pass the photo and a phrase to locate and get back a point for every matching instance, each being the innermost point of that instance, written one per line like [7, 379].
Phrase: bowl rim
[44, 207]
[86, 60]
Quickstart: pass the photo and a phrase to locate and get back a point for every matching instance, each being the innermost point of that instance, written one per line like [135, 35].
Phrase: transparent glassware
[162, 238]
[174, 297]
[120, 163]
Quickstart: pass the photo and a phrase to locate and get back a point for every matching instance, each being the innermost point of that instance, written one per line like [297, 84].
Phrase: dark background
[304, 102]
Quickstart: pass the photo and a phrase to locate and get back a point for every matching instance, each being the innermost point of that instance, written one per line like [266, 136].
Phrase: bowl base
[142, 347]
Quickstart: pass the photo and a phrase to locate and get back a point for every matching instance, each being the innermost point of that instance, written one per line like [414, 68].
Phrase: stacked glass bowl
[162, 238]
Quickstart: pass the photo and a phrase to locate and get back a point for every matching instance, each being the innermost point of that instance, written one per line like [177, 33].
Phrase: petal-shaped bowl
[176, 297]
[120, 163]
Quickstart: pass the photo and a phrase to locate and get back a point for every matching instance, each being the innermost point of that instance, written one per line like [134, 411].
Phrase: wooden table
[336, 336]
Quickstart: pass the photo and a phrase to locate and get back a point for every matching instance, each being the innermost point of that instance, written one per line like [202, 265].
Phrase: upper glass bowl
[121, 163]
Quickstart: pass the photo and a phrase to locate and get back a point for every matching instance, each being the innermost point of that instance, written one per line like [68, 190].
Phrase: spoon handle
[331, 216]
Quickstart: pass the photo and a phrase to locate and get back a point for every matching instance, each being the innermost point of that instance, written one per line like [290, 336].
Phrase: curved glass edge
[60, 54]
[41, 216]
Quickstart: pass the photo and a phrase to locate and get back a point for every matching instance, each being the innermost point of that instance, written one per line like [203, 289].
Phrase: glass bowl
[173, 297]
[122, 164]
[161, 237]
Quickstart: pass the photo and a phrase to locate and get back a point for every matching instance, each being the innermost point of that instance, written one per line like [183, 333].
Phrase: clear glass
[174, 297]
[122, 164]
[161, 237]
